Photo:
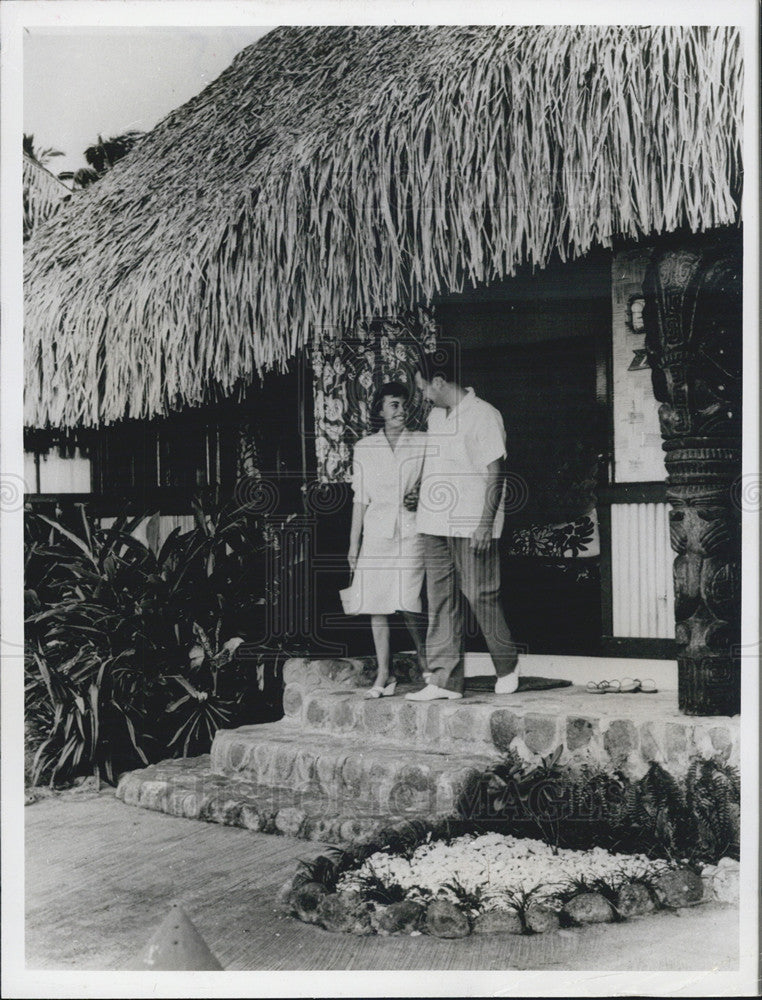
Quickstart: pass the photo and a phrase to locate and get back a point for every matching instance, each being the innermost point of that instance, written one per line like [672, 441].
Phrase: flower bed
[535, 847]
[496, 872]
[490, 883]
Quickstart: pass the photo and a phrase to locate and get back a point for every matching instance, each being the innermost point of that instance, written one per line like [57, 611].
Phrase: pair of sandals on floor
[629, 685]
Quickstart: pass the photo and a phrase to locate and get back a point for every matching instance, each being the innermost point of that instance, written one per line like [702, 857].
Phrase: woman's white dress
[389, 572]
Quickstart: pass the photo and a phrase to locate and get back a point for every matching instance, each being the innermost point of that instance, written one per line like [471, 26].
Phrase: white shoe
[431, 693]
[508, 683]
[381, 692]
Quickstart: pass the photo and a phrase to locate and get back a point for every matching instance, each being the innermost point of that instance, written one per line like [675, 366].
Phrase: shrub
[565, 807]
[125, 661]
[97, 635]
[580, 807]
[713, 793]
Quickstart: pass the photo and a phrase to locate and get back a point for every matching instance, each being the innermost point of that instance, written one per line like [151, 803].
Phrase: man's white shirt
[459, 447]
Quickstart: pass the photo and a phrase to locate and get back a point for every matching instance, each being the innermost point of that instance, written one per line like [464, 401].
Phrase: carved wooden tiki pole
[694, 340]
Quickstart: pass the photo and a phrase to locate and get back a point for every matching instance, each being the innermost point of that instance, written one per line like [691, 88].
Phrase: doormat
[487, 683]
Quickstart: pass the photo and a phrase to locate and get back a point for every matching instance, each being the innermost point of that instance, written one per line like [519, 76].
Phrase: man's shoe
[508, 683]
[432, 693]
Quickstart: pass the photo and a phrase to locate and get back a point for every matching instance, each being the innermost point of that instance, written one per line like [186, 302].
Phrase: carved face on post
[692, 317]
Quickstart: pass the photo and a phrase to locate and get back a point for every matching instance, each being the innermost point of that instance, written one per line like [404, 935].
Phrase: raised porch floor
[338, 766]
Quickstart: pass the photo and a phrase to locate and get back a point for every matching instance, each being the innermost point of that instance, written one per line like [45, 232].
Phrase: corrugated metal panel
[641, 558]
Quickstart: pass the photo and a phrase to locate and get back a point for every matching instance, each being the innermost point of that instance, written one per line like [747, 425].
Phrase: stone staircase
[338, 767]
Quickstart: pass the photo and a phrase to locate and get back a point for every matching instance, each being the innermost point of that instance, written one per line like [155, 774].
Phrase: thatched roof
[331, 173]
[42, 194]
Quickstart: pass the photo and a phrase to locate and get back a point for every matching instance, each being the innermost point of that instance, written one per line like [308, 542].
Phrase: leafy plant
[608, 888]
[470, 902]
[210, 699]
[401, 840]
[325, 869]
[204, 712]
[520, 899]
[95, 640]
[375, 890]
[695, 820]
[713, 799]
[110, 683]
[657, 811]
[534, 800]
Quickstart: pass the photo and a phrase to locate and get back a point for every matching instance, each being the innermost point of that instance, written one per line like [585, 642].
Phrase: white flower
[500, 868]
[196, 656]
[333, 409]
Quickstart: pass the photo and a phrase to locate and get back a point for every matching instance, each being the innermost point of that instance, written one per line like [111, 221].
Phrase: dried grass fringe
[336, 173]
[42, 194]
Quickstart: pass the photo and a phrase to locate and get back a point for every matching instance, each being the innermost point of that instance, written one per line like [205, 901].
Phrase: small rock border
[347, 912]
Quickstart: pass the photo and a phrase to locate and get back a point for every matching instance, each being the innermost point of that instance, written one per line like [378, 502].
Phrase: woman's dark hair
[396, 389]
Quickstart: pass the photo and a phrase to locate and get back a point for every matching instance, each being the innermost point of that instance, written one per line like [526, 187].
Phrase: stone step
[189, 787]
[338, 766]
[625, 731]
[389, 778]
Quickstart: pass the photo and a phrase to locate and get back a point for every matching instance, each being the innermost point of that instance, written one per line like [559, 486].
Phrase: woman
[385, 553]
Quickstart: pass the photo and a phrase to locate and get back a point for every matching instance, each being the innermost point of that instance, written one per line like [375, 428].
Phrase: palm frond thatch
[42, 194]
[337, 172]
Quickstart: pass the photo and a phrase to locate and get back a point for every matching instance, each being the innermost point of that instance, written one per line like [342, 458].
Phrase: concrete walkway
[100, 877]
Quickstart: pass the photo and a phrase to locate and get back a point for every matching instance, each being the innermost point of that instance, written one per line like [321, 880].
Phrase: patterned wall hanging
[347, 372]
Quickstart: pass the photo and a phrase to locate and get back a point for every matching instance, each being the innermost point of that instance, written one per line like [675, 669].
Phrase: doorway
[540, 356]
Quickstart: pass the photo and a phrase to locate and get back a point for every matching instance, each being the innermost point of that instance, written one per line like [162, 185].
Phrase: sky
[79, 83]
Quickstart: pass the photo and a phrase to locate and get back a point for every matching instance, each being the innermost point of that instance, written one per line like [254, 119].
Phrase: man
[460, 517]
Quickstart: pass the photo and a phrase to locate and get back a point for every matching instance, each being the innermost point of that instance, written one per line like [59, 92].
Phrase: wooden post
[694, 342]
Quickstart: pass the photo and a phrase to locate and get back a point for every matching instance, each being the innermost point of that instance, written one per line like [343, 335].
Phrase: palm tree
[41, 156]
[43, 192]
[101, 157]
